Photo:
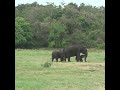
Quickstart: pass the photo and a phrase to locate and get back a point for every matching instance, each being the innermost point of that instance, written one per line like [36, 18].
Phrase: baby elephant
[57, 54]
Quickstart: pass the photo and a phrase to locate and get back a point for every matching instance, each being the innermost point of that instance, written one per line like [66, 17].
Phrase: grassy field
[32, 75]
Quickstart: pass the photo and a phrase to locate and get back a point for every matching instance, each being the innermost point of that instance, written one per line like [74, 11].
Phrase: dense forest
[54, 26]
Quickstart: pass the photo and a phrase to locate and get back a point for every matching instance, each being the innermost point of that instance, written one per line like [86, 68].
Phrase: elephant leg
[65, 59]
[81, 60]
[85, 59]
[61, 59]
[77, 59]
[56, 59]
[78, 56]
[69, 59]
[86, 54]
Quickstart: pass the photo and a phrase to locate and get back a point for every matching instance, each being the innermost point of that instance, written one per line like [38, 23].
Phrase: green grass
[32, 75]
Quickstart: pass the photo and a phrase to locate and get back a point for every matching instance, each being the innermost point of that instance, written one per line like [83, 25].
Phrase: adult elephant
[74, 50]
[84, 51]
[70, 52]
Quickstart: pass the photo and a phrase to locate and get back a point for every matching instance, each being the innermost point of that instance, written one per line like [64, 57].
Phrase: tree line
[54, 26]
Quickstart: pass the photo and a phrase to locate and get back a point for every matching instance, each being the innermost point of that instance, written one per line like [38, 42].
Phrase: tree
[22, 31]
[56, 35]
[40, 34]
[57, 26]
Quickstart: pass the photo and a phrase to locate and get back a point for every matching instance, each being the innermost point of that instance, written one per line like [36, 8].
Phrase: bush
[51, 44]
[101, 46]
[47, 64]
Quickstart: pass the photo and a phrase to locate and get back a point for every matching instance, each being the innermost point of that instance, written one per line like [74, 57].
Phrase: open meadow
[31, 74]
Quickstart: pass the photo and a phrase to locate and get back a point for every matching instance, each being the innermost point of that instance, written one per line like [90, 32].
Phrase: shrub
[47, 64]
[101, 46]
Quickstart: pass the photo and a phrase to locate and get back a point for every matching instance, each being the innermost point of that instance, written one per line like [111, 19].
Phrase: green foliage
[57, 34]
[40, 34]
[22, 31]
[101, 46]
[58, 26]
[51, 44]
[78, 37]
